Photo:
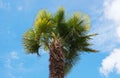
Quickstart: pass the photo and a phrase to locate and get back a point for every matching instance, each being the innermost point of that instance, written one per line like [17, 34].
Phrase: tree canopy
[73, 33]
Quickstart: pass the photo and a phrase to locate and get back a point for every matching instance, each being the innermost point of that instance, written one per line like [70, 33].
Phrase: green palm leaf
[30, 43]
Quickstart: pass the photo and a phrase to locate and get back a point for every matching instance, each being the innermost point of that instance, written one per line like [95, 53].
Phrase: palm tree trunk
[57, 64]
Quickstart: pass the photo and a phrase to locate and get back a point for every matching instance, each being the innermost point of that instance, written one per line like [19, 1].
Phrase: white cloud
[118, 31]
[111, 15]
[106, 25]
[111, 63]
[112, 12]
[112, 9]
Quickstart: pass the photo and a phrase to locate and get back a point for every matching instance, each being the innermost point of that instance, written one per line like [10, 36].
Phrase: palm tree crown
[71, 32]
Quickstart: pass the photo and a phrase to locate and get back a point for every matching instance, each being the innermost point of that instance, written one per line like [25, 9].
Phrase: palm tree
[64, 38]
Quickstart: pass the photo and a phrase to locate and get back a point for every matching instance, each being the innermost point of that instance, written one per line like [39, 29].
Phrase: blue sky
[16, 16]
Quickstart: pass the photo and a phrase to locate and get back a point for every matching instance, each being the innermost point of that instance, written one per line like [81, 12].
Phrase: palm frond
[29, 42]
[43, 23]
[59, 16]
[76, 40]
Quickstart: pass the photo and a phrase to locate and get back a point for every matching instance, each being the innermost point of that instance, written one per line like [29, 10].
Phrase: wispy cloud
[8, 64]
[107, 25]
[13, 64]
[4, 5]
[111, 63]
[14, 55]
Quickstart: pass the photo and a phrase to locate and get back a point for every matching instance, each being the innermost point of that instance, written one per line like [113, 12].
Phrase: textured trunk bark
[57, 64]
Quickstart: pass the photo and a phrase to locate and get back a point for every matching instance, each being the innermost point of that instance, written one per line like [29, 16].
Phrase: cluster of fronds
[73, 33]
